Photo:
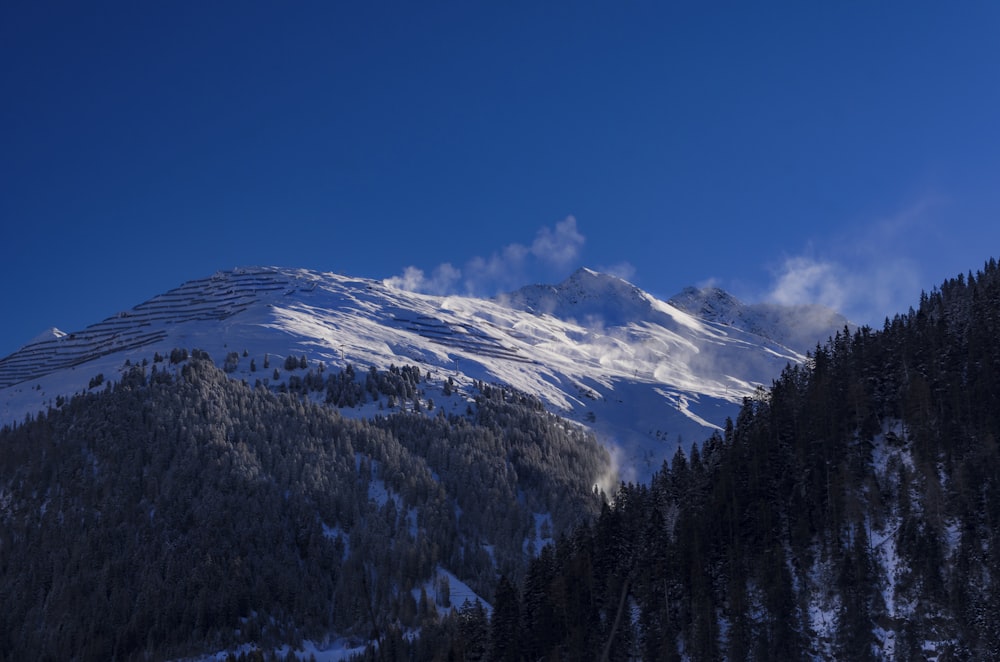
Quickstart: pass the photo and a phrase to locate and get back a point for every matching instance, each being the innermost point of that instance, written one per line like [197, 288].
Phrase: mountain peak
[709, 302]
[584, 273]
[51, 333]
[798, 327]
[585, 295]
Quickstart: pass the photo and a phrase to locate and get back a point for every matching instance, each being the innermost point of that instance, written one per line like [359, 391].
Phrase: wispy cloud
[554, 247]
[865, 293]
[867, 275]
[558, 246]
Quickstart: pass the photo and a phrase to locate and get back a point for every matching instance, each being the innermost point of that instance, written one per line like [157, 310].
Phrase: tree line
[850, 512]
[178, 511]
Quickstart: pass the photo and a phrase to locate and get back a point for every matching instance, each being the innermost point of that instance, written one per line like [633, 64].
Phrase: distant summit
[52, 333]
[585, 295]
[800, 327]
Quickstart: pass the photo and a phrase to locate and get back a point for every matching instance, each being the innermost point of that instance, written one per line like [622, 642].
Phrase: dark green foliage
[883, 446]
[180, 514]
[505, 624]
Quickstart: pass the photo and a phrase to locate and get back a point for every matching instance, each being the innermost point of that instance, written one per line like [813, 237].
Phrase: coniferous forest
[851, 512]
[176, 513]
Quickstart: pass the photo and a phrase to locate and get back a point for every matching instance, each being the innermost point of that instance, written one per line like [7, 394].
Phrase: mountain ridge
[846, 513]
[584, 294]
[797, 326]
[641, 372]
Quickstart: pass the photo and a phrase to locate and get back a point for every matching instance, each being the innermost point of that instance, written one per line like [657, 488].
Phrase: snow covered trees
[178, 513]
[849, 513]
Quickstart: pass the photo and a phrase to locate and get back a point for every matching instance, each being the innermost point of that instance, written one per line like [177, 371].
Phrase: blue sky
[847, 153]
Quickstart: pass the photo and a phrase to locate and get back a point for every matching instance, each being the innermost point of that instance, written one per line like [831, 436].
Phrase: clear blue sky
[841, 152]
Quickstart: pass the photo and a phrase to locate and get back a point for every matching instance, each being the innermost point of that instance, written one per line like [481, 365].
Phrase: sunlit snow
[642, 373]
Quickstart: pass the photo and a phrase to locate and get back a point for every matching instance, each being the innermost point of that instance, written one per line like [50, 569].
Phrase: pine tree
[505, 629]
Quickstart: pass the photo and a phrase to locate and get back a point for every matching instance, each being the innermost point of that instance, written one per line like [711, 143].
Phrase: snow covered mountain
[800, 327]
[644, 374]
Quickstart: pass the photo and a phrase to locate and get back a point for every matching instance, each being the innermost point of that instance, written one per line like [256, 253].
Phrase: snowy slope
[800, 327]
[644, 374]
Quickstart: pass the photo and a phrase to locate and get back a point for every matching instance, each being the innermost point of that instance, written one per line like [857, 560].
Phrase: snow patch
[453, 597]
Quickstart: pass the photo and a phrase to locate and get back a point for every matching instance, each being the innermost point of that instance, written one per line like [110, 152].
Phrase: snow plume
[441, 281]
[802, 280]
[560, 246]
[623, 270]
[865, 292]
[608, 481]
[553, 248]
[868, 275]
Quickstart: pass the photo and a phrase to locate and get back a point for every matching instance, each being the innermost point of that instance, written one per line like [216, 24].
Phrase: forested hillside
[179, 511]
[851, 512]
